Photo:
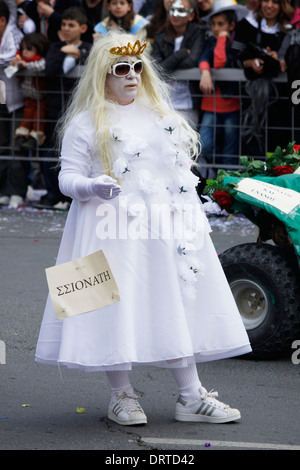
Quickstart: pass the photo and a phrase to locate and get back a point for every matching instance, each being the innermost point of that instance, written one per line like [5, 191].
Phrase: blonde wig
[90, 94]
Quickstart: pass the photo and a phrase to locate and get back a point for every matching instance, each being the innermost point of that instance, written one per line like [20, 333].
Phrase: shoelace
[212, 395]
[129, 401]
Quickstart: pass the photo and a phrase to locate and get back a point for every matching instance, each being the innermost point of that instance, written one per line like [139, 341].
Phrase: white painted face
[123, 90]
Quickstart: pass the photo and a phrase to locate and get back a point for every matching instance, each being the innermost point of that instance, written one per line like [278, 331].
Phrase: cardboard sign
[282, 198]
[81, 285]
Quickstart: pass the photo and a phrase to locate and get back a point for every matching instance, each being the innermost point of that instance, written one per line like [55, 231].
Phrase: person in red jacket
[31, 56]
[220, 104]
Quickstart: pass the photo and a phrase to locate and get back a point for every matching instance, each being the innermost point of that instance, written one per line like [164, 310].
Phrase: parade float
[264, 276]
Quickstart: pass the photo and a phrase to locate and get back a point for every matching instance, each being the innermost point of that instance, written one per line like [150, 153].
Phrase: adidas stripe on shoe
[125, 409]
[206, 409]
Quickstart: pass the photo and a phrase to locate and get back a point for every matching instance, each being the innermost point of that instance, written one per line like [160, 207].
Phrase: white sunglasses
[122, 69]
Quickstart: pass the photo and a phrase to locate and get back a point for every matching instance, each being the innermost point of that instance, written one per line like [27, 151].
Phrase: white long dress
[175, 304]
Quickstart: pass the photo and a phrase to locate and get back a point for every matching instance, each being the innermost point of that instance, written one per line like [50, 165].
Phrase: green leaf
[221, 175]
[278, 152]
[244, 160]
[290, 147]
[257, 164]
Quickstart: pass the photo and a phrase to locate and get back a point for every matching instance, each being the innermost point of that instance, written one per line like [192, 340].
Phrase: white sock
[187, 381]
[118, 380]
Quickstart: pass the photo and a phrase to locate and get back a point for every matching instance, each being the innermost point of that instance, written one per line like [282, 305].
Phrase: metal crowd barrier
[290, 126]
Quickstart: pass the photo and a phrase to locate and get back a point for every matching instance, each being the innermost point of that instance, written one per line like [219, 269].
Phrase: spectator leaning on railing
[219, 132]
[31, 57]
[177, 47]
[61, 58]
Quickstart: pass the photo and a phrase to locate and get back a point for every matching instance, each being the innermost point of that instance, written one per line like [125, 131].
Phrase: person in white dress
[125, 162]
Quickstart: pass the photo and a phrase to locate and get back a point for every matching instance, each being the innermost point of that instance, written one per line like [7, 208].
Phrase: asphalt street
[46, 408]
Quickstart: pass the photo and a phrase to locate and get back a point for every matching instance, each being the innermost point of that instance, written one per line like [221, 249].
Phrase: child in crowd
[122, 15]
[31, 56]
[62, 57]
[220, 105]
[177, 47]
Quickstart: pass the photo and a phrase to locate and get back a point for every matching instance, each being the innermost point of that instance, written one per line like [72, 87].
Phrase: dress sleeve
[74, 177]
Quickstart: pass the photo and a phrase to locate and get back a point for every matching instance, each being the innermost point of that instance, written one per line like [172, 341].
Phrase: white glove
[104, 186]
[82, 188]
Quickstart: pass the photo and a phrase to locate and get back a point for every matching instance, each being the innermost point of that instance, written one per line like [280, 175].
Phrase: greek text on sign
[282, 198]
[81, 285]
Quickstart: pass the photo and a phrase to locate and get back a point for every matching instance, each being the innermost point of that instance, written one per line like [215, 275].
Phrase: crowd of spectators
[53, 36]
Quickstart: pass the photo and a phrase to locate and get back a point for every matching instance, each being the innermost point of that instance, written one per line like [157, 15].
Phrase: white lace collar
[264, 27]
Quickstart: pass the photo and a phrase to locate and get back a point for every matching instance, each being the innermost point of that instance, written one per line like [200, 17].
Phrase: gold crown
[136, 49]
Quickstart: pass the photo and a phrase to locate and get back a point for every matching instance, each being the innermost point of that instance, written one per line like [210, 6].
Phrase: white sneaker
[62, 206]
[125, 409]
[4, 200]
[15, 202]
[205, 409]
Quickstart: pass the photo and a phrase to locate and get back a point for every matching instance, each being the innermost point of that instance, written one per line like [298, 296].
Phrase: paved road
[38, 404]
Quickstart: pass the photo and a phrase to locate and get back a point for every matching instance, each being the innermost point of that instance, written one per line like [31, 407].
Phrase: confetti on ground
[207, 444]
[25, 405]
[80, 410]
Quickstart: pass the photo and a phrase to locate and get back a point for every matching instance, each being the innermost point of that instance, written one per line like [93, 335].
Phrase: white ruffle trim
[180, 183]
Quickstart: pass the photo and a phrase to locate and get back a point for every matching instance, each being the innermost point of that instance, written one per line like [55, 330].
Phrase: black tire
[265, 283]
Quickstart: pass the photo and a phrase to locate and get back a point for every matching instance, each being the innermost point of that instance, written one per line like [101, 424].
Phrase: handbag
[253, 51]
